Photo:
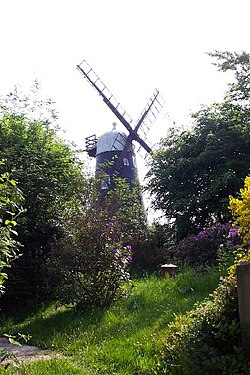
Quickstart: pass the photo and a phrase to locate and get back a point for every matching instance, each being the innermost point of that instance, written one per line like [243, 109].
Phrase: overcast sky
[133, 45]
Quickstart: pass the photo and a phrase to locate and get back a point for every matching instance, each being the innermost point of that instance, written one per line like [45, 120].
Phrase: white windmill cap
[111, 141]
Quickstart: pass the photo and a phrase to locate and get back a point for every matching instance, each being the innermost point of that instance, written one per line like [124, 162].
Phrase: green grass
[123, 339]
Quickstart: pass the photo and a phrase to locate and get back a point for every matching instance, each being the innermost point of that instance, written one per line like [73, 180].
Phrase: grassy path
[123, 339]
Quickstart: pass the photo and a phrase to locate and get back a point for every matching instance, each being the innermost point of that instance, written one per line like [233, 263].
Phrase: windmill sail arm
[146, 111]
[149, 114]
[117, 113]
[91, 82]
[132, 132]
[95, 81]
[142, 143]
[106, 95]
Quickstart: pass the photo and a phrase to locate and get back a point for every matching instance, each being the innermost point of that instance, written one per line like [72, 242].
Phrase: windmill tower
[114, 150]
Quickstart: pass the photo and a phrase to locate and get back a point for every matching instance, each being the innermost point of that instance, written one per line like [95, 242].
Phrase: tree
[194, 171]
[49, 174]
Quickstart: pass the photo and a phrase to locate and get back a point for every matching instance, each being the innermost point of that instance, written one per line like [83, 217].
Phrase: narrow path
[25, 352]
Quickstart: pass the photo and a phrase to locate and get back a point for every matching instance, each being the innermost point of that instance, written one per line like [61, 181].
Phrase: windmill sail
[111, 102]
[149, 114]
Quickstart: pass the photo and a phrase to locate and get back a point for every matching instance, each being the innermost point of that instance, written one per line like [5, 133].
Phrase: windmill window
[106, 182]
[125, 161]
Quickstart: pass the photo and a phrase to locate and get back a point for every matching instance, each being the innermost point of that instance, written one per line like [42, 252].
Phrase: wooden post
[243, 288]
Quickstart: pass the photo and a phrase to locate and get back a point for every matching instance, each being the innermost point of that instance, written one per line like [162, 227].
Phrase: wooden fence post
[243, 289]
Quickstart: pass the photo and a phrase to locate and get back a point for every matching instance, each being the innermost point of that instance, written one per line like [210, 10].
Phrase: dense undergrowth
[126, 338]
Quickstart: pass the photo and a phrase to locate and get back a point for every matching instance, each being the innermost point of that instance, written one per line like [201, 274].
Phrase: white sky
[133, 45]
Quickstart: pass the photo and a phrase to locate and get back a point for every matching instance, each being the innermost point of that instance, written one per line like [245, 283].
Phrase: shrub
[207, 339]
[231, 247]
[152, 252]
[89, 264]
[201, 249]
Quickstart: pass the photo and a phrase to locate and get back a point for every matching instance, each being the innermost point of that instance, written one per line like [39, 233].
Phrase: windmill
[114, 150]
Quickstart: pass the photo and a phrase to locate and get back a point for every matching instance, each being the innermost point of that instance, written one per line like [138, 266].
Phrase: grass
[123, 339]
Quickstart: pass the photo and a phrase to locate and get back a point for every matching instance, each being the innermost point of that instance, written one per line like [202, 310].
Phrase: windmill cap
[111, 141]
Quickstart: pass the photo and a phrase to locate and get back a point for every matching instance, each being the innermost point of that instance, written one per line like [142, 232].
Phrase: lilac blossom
[110, 225]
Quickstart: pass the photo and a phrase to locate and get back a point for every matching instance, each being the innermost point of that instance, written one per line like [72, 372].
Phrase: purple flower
[128, 248]
[109, 225]
[233, 233]
[126, 261]
[201, 235]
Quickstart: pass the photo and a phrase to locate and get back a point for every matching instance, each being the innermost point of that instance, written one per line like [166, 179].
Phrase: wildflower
[115, 251]
[128, 248]
[201, 235]
[233, 232]
[110, 225]
[127, 261]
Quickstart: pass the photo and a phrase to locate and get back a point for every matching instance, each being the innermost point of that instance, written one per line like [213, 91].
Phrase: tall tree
[194, 171]
[49, 175]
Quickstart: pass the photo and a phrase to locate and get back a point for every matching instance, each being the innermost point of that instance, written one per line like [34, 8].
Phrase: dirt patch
[25, 352]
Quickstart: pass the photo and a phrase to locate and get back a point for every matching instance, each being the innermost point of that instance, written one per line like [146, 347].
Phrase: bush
[88, 266]
[207, 339]
[152, 252]
[232, 247]
[201, 249]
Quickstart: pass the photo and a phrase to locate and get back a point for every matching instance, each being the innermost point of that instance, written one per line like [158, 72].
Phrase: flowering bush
[201, 249]
[89, 265]
[217, 245]
[230, 248]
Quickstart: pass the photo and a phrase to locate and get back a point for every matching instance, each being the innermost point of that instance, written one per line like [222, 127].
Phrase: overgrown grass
[125, 338]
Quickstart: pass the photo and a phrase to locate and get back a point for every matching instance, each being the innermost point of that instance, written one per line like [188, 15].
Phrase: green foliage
[207, 339]
[194, 171]
[49, 175]
[10, 199]
[239, 64]
[30, 105]
[153, 250]
[88, 264]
